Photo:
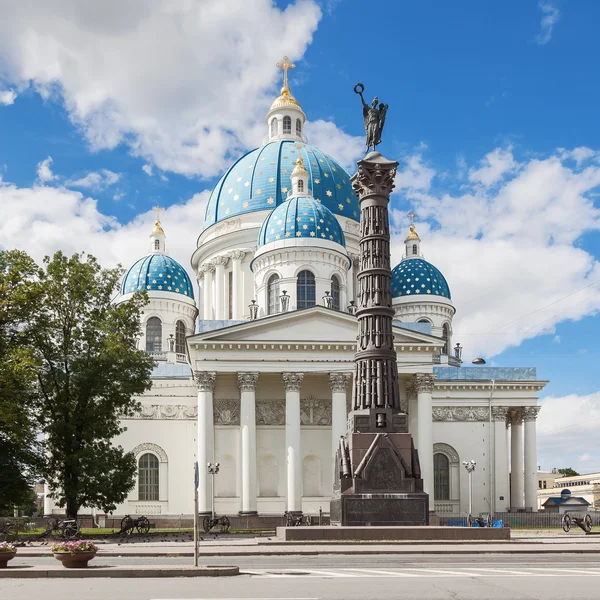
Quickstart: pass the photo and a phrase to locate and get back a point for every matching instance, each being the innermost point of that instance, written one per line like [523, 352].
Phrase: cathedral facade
[254, 363]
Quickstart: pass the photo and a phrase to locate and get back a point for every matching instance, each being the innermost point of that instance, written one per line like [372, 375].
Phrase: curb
[115, 572]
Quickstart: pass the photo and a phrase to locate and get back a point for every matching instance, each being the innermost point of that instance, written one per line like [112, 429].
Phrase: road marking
[373, 572]
[447, 572]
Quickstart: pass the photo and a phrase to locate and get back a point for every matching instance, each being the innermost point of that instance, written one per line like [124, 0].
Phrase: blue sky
[493, 119]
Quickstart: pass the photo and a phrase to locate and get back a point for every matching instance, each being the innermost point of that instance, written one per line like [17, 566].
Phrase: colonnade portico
[523, 462]
[248, 484]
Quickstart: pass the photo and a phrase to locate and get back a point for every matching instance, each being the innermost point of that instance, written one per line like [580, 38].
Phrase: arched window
[273, 295]
[157, 244]
[414, 248]
[180, 337]
[446, 338]
[274, 127]
[335, 292]
[153, 335]
[424, 321]
[441, 477]
[300, 185]
[298, 127]
[148, 478]
[305, 289]
[287, 125]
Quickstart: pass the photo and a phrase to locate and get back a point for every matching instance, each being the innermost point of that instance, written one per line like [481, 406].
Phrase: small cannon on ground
[582, 520]
[140, 524]
[209, 522]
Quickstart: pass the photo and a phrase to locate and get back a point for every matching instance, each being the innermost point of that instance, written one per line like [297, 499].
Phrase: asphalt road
[417, 577]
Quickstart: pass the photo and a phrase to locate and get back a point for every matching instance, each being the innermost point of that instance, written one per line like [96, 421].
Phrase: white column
[530, 414]
[424, 386]
[292, 383]
[48, 502]
[516, 459]
[237, 284]
[220, 302]
[200, 280]
[413, 411]
[209, 270]
[350, 280]
[339, 384]
[247, 383]
[163, 481]
[205, 384]
[500, 460]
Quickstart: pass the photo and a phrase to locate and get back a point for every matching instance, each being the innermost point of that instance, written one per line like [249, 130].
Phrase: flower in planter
[74, 547]
[7, 547]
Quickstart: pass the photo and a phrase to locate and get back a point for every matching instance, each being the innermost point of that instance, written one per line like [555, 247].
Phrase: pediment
[311, 325]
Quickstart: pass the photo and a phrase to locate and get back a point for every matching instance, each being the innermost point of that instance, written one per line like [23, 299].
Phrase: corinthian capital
[339, 381]
[530, 413]
[424, 382]
[292, 381]
[375, 176]
[204, 381]
[221, 260]
[499, 413]
[207, 267]
[247, 381]
[238, 254]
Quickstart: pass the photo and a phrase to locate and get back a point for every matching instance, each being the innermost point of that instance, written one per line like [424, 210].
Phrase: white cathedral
[253, 366]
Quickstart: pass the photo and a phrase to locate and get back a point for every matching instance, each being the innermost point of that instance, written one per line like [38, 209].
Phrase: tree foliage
[81, 372]
[568, 472]
[19, 452]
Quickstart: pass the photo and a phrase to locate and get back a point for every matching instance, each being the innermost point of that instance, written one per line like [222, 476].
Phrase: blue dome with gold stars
[301, 217]
[260, 180]
[157, 272]
[417, 277]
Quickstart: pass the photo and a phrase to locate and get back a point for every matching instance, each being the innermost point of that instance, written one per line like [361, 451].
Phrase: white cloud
[415, 175]
[95, 180]
[345, 148]
[567, 432]
[184, 84]
[509, 251]
[556, 339]
[164, 178]
[7, 97]
[43, 219]
[44, 172]
[148, 170]
[493, 167]
[550, 16]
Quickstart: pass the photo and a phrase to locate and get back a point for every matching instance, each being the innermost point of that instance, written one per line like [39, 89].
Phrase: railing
[182, 358]
[437, 359]
[525, 520]
[451, 507]
[158, 355]
[454, 362]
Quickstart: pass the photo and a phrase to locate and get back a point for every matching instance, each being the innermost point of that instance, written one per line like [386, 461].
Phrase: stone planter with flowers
[7, 552]
[76, 554]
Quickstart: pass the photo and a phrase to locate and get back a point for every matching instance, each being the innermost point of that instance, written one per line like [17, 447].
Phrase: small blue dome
[301, 217]
[415, 276]
[157, 272]
[565, 492]
[260, 180]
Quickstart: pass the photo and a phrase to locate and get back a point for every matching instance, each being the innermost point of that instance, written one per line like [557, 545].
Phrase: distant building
[546, 479]
[586, 486]
[565, 502]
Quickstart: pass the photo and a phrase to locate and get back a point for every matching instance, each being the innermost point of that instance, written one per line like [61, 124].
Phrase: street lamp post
[470, 467]
[213, 469]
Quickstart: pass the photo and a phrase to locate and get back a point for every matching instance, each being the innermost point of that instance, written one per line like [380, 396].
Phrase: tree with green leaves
[74, 372]
[568, 472]
[19, 451]
[90, 372]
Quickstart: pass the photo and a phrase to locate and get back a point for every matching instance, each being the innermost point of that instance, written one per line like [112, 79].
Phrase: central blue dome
[415, 276]
[301, 217]
[260, 180]
[157, 272]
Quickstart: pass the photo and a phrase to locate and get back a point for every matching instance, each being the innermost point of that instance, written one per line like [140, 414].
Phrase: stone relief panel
[448, 450]
[315, 412]
[270, 412]
[226, 412]
[460, 413]
[149, 447]
[166, 411]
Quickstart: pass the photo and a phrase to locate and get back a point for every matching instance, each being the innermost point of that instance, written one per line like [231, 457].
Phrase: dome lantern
[157, 237]
[413, 241]
[285, 117]
[299, 179]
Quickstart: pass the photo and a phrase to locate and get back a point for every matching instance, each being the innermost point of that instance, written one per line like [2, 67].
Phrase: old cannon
[582, 520]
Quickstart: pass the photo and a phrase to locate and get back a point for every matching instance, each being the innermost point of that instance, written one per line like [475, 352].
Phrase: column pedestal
[247, 383]
[516, 460]
[205, 384]
[292, 383]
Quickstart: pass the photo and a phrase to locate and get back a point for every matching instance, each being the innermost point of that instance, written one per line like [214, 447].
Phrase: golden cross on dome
[286, 65]
[157, 210]
[412, 216]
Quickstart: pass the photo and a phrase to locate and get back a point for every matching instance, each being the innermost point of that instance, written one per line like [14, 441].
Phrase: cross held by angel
[373, 116]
